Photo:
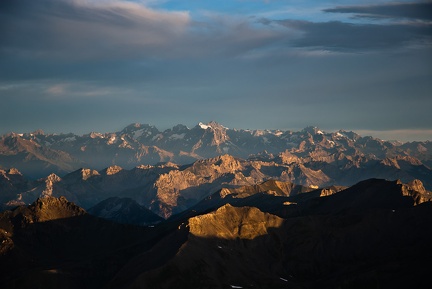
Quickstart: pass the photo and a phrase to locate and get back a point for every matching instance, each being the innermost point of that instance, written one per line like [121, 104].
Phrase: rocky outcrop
[271, 187]
[330, 191]
[50, 208]
[416, 190]
[49, 184]
[229, 222]
[112, 170]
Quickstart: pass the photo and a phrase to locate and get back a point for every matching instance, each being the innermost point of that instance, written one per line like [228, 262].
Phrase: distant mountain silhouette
[38, 154]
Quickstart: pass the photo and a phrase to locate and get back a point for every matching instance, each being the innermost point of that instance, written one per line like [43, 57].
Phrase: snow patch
[235, 286]
[69, 139]
[138, 133]
[203, 126]
[177, 136]
[283, 279]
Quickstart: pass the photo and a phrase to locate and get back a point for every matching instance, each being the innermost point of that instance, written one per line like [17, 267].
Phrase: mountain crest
[212, 125]
[313, 130]
[50, 208]
[112, 170]
[14, 171]
[53, 178]
[87, 173]
[230, 222]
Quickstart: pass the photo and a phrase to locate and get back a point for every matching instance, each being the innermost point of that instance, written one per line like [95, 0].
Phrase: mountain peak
[87, 173]
[312, 130]
[14, 171]
[112, 170]
[203, 126]
[230, 222]
[53, 178]
[417, 185]
[133, 126]
[212, 125]
[49, 208]
[38, 132]
[179, 127]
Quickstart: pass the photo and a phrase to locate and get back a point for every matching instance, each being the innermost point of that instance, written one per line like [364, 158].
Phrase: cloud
[79, 29]
[340, 36]
[415, 11]
[370, 35]
[57, 89]
[72, 31]
[114, 62]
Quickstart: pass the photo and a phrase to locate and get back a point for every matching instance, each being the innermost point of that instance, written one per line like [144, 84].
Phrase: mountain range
[38, 154]
[213, 207]
[310, 158]
[168, 189]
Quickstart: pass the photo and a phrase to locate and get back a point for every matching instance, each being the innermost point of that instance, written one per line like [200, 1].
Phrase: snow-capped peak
[203, 126]
[213, 125]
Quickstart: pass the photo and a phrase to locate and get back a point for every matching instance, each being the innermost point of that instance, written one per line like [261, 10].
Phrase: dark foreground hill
[55, 244]
[375, 234]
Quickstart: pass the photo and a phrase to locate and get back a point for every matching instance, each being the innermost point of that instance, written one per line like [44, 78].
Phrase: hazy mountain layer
[38, 154]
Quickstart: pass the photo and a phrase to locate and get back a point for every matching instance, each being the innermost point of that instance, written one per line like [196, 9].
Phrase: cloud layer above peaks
[335, 64]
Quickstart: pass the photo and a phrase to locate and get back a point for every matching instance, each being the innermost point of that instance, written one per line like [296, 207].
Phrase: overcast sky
[99, 65]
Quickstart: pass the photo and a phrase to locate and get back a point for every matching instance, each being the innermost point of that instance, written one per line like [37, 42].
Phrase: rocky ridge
[229, 222]
[168, 189]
